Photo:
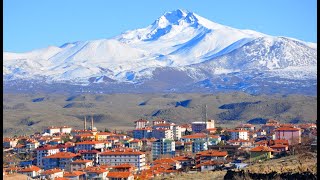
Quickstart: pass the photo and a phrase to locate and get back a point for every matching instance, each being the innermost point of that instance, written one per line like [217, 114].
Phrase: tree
[107, 130]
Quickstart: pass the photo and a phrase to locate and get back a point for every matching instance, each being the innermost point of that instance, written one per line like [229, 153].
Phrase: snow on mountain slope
[180, 39]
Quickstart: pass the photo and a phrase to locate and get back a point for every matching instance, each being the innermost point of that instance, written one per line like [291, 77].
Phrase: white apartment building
[238, 134]
[43, 152]
[200, 126]
[123, 156]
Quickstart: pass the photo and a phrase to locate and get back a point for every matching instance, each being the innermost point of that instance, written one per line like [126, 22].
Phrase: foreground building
[123, 156]
[163, 147]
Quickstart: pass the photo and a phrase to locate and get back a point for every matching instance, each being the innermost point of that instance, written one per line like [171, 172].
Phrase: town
[152, 149]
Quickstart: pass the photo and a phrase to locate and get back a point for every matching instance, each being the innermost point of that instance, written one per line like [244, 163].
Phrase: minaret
[85, 123]
[91, 122]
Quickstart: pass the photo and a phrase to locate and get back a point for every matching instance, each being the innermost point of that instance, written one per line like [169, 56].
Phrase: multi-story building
[60, 160]
[123, 156]
[65, 129]
[198, 127]
[52, 130]
[100, 136]
[158, 121]
[92, 155]
[248, 127]
[293, 135]
[177, 132]
[45, 151]
[163, 147]
[212, 139]
[90, 145]
[141, 133]
[135, 144]
[238, 134]
[199, 145]
[32, 144]
[161, 133]
[141, 123]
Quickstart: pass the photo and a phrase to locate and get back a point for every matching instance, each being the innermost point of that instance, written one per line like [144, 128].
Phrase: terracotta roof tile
[119, 174]
[261, 149]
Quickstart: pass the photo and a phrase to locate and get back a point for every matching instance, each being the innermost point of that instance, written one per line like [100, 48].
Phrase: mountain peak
[175, 17]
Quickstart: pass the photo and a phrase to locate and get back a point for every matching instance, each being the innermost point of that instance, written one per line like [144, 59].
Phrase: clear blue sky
[36, 24]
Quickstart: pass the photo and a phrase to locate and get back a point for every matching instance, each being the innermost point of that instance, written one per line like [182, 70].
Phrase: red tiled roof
[80, 161]
[209, 163]
[90, 142]
[278, 146]
[198, 135]
[62, 155]
[51, 171]
[126, 151]
[73, 173]
[165, 161]
[261, 149]
[123, 166]
[119, 174]
[30, 169]
[213, 153]
[287, 129]
[46, 147]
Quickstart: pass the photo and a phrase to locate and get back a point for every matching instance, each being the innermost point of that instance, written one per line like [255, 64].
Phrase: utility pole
[205, 120]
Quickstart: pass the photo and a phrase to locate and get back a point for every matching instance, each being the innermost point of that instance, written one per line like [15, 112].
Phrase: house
[52, 174]
[60, 160]
[163, 147]
[124, 168]
[293, 135]
[175, 164]
[44, 151]
[261, 153]
[100, 136]
[141, 123]
[75, 175]
[9, 142]
[210, 165]
[279, 148]
[80, 164]
[247, 127]
[185, 161]
[238, 134]
[123, 156]
[135, 144]
[210, 155]
[240, 142]
[120, 175]
[31, 171]
[96, 173]
[141, 133]
[184, 128]
[269, 127]
[90, 145]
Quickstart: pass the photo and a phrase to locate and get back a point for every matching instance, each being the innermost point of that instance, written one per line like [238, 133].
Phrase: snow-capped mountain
[180, 42]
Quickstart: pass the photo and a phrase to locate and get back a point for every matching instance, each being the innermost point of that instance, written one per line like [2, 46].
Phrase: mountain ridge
[178, 40]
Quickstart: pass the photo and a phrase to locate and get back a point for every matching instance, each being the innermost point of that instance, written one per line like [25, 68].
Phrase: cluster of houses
[151, 149]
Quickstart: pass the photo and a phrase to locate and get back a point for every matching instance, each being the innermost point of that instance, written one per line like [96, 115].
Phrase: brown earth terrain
[29, 113]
